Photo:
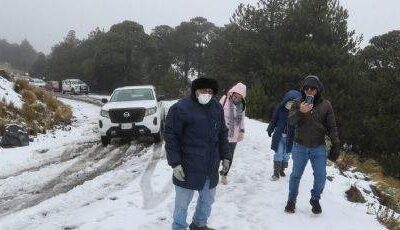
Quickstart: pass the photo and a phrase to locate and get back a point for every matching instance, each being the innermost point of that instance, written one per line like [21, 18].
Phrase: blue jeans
[183, 198]
[300, 156]
[281, 154]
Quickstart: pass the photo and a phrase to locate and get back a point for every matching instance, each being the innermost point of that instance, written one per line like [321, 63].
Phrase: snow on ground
[7, 92]
[138, 194]
[45, 147]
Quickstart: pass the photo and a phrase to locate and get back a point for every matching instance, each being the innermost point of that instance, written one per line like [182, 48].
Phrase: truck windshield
[132, 95]
[76, 81]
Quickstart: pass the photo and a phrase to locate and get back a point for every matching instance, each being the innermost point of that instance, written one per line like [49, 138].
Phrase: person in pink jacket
[234, 105]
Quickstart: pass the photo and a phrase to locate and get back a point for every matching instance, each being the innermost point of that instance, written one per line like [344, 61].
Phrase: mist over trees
[269, 47]
[20, 56]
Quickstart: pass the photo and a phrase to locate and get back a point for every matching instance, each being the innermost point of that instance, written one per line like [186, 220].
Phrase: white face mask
[204, 98]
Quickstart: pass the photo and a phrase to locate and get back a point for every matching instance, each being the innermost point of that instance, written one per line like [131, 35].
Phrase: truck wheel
[158, 137]
[105, 140]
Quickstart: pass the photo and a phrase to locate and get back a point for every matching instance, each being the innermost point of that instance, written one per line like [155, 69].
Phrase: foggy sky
[46, 22]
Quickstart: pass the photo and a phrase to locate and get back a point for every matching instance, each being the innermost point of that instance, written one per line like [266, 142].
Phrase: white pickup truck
[74, 86]
[131, 112]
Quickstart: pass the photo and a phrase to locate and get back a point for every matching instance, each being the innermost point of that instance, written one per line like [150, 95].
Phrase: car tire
[158, 137]
[105, 140]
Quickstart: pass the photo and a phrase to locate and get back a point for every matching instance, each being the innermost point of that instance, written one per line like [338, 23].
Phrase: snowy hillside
[67, 180]
[7, 92]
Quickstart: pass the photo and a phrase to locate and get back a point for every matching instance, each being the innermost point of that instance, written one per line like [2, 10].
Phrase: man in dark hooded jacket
[196, 140]
[313, 118]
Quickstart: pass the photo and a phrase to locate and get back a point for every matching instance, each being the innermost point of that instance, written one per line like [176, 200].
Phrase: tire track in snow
[67, 155]
[90, 165]
[151, 198]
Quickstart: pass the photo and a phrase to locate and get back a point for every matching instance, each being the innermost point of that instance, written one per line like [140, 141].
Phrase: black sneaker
[290, 206]
[316, 207]
[192, 226]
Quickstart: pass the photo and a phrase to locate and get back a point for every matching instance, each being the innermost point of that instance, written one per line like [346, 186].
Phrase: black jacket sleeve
[174, 127]
[272, 124]
[331, 126]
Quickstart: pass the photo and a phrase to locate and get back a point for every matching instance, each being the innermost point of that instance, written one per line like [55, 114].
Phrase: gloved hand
[225, 167]
[334, 152]
[240, 137]
[178, 173]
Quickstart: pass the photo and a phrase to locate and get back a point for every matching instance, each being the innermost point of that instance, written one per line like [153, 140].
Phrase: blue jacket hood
[291, 95]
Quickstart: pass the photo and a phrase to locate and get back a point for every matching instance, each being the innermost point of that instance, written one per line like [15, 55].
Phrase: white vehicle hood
[129, 104]
[75, 85]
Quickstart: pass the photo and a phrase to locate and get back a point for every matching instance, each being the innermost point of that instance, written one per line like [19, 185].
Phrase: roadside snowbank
[7, 92]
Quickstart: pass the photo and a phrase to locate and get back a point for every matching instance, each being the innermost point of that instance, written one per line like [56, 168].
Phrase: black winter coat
[197, 138]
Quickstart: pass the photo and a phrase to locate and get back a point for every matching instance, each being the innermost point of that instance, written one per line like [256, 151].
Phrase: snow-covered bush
[39, 111]
[388, 218]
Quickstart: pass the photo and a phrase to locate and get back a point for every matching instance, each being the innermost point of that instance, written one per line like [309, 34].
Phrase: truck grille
[126, 115]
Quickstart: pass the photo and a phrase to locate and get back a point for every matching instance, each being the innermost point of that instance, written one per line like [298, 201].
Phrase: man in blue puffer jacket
[196, 140]
[282, 139]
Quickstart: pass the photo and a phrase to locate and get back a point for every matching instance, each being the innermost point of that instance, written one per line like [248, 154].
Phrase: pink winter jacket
[238, 130]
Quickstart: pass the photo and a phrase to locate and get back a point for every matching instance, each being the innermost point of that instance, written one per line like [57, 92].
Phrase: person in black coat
[196, 141]
[283, 133]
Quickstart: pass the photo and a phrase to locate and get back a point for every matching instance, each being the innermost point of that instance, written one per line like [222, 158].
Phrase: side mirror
[104, 100]
[160, 98]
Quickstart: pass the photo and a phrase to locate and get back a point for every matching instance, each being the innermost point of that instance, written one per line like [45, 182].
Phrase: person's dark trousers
[300, 157]
[232, 147]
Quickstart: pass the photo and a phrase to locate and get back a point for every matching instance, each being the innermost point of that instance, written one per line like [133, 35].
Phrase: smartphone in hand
[309, 99]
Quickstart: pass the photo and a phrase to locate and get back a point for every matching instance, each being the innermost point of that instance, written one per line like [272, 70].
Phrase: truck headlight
[104, 113]
[150, 111]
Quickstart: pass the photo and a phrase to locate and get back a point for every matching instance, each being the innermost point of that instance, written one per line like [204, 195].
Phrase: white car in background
[132, 111]
[37, 82]
[74, 86]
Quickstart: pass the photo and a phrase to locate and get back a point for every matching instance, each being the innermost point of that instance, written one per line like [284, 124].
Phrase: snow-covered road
[67, 180]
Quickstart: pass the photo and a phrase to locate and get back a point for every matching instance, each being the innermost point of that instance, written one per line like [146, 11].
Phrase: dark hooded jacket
[311, 127]
[279, 124]
[196, 137]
